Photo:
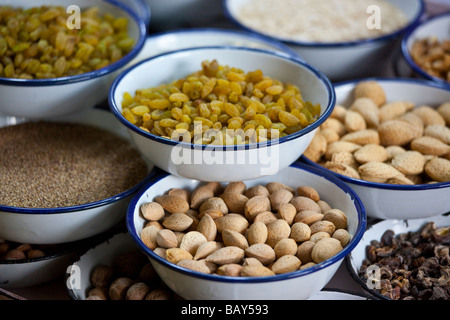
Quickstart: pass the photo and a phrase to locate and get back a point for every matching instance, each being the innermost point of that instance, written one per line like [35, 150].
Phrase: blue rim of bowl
[96, 73]
[145, 11]
[369, 184]
[407, 56]
[362, 222]
[372, 41]
[327, 111]
[245, 34]
[153, 171]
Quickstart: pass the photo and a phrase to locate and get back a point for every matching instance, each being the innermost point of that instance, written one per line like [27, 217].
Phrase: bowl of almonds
[426, 49]
[389, 140]
[279, 237]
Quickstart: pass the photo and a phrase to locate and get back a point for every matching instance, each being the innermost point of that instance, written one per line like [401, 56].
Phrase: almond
[166, 239]
[308, 217]
[345, 158]
[256, 205]
[368, 110]
[232, 221]
[233, 238]
[265, 217]
[274, 186]
[278, 197]
[148, 236]
[194, 265]
[178, 222]
[338, 112]
[413, 119]
[340, 146]
[277, 230]
[257, 233]
[251, 262]
[334, 124]
[325, 249]
[200, 194]
[337, 217]
[309, 192]
[324, 206]
[207, 227]
[392, 151]
[256, 271]
[430, 146]
[262, 252]
[409, 162]
[284, 247]
[439, 132]
[184, 194]
[214, 214]
[319, 236]
[429, 115]
[329, 134]
[343, 169]
[304, 251]
[438, 169]
[191, 241]
[403, 180]
[354, 122]
[316, 148]
[323, 226]
[235, 187]
[392, 110]
[287, 212]
[207, 248]
[258, 190]
[175, 255]
[235, 202]
[378, 172]
[230, 270]
[371, 152]
[152, 211]
[285, 264]
[173, 204]
[362, 137]
[214, 203]
[226, 255]
[304, 203]
[343, 236]
[300, 232]
[370, 89]
[397, 132]
[444, 111]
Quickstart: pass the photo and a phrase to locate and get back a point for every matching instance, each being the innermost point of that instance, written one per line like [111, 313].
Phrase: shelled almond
[244, 231]
[390, 142]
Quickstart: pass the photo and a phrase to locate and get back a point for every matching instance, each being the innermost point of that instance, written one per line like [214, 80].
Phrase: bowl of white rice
[344, 39]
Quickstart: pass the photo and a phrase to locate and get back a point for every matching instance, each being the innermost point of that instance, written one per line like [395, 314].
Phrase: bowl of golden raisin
[222, 113]
[52, 54]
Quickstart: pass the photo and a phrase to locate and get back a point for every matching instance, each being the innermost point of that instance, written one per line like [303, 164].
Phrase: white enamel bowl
[140, 7]
[344, 60]
[437, 26]
[354, 260]
[297, 285]
[222, 163]
[389, 201]
[157, 43]
[67, 224]
[47, 98]
[78, 276]
[32, 272]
